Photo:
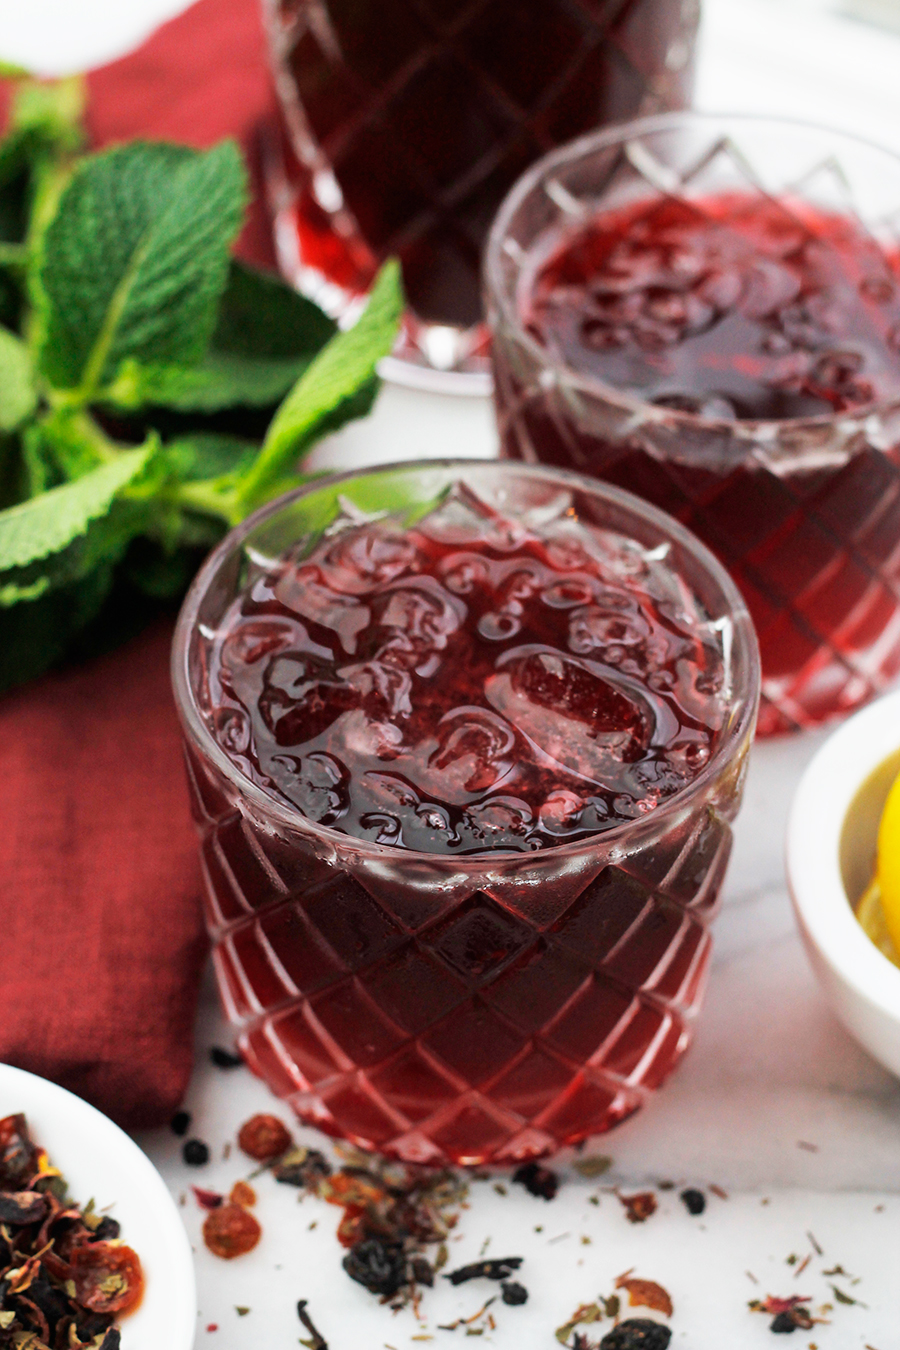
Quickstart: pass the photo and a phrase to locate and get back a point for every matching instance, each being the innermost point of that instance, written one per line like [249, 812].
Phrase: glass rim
[579, 148]
[745, 665]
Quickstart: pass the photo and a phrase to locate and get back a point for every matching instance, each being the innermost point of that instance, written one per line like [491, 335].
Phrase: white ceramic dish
[98, 1159]
[831, 838]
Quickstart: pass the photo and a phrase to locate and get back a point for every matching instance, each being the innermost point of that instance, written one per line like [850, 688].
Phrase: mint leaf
[261, 316]
[221, 380]
[208, 455]
[18, 396]
[36, 635]
[48, 525]
[135, 259]
[336, 375]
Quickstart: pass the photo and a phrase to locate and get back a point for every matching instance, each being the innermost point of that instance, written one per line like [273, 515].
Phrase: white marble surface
[775, 1104]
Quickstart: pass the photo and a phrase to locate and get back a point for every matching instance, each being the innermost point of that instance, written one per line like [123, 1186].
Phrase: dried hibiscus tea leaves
[638, 1208]
[498, 1268]
[64, 1273]
[264, 1138]
[788, 1314]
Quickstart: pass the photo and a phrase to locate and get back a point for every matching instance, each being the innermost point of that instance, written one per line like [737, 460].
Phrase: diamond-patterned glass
[472, 1008]
[804, 513]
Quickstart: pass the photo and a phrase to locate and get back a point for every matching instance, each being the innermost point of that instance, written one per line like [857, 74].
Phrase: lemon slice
[888, 867]
[870, 914]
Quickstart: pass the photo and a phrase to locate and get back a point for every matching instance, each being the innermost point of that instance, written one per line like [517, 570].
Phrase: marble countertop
[775, 1104]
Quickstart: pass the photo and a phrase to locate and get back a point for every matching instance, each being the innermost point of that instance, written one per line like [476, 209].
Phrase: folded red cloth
[102, 941]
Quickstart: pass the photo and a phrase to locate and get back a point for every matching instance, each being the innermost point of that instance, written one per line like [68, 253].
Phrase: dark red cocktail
[464, 771]
[408, 121]
[734, 357]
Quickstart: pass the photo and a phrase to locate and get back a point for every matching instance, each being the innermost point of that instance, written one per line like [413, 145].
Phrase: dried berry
[693, 1201]
[107, 1278]
[263, 1138]
[637, 1333]
[180, 1123]
[107, 1229]
[537, 1180]
[224, 1059]
[514, 1294]
[380, 1266]
[195, 1153]
[784, 1323]
[422, 1271]
[242, 1194]
[230, 1231]
[499, 1268]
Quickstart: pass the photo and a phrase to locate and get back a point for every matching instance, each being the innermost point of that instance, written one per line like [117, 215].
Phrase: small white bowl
[99, 1160]
[831, 839]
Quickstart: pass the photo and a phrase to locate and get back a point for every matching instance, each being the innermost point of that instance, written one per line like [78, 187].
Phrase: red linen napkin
[101, 940]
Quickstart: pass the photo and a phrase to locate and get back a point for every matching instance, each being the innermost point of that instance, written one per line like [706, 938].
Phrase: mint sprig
[153, 390]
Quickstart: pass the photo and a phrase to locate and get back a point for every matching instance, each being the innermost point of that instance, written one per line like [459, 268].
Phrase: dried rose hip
[263, 1138]
[108, 1279]
[242, 1194]
[230, 1231]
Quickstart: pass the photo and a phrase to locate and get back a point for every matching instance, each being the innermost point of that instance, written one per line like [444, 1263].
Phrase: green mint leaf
[34, 636]
[338, 373]
[50, 111]
[135, 259]
[208, 455]
[34, 531]
[18, 396]
[221, 380]
[261, 316]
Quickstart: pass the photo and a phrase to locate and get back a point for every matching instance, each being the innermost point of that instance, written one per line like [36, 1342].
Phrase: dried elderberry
[537, 1180]
[225, 1059]
[785, 1322]
[514, 1294]
[694, 1201]
[380, 1266]
[637, 1333]
[195, 1153]
[180, 1123]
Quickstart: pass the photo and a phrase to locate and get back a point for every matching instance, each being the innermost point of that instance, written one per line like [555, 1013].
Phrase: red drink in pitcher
[733, 357]
[485, 762]
[408, 120]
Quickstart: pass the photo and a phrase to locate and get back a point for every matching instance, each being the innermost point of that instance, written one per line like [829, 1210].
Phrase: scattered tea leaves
[498, 1268]
[639, 1207]
[646, 1294]
[594, 1165]
[316, 1340]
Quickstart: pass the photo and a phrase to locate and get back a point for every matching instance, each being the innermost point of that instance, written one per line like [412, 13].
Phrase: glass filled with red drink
[465, 742]
[405, 122]
[706, 311]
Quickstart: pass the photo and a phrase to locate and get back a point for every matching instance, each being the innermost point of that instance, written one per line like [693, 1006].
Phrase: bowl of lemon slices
[843, 867]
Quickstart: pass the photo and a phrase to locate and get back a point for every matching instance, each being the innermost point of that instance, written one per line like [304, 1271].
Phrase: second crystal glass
[730, 350]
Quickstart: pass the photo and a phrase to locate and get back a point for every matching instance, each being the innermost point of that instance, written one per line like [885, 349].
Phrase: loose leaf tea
[64, 1274]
